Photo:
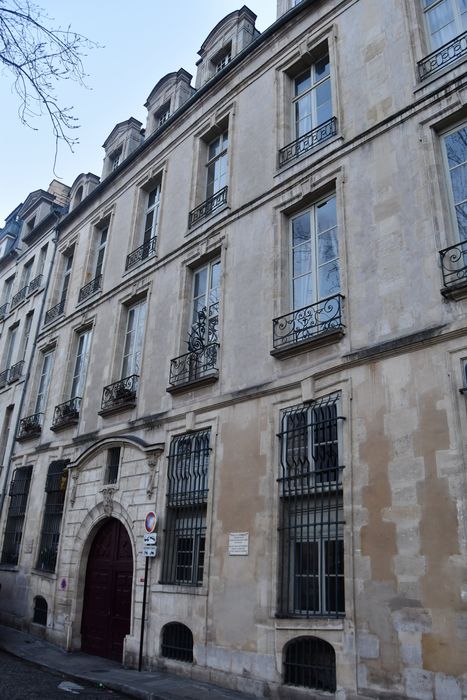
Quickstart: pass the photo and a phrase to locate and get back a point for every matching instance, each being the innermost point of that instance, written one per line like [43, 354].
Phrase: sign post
[149, 551]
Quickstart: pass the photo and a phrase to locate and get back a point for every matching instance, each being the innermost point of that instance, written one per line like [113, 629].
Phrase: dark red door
[107, 592]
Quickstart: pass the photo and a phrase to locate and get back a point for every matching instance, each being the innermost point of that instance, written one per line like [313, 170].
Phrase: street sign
[150, 521]
[150, 540]
[150, 551]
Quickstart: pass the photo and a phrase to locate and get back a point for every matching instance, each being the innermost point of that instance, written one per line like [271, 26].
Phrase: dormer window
[78, 196]
[162, 115]
[222, 58]
[115, 159]
[30, 224]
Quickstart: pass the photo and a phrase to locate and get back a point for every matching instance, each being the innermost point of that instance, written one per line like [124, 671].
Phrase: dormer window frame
[162, 114]
[115, 158]
[222, 58]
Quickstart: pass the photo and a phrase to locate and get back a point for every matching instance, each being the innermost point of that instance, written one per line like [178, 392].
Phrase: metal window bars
[310, 662]
[311, 515]
[90, 288]
[454, 265]
[40, 611]
[113, 463]
[3, 311]
[54, 312]
[442, 57]
[19, 491]
[55, 488]
[217, 200]
[15, 372]
[30, 426]
[309, 322]
[309, 141]
[177, 642]
[35, 284]
[121, 393]
[185, 532]
[67, 413]
[139, 254]
[19, 297]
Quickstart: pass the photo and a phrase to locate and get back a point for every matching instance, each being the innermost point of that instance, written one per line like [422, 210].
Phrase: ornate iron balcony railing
[308, 323]
[3, 311]
[54, 312]
[121, 393]
[141, 253]
[15, 371]
[308, 141]
[4, 378]
[30, 426]
[443, 56]
[217, 200]
[67, 413]
[19, 297]
[35, 284]
[454, 265]
[195, 365]
[90, 288]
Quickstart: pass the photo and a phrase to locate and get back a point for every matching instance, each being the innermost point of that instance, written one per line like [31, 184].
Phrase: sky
[140, 43]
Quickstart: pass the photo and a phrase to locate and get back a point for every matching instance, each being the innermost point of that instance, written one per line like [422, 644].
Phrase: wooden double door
[107, 592]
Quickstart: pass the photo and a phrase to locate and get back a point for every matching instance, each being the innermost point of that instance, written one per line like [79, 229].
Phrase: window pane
[322, 68]
[302, 83]
[328, 248]
[326, 215]
[301, 231]
[302, 259]
[456, 147]
[441, 24]
[302, 289]
[329, 279]
[461, 216]
[323, 102]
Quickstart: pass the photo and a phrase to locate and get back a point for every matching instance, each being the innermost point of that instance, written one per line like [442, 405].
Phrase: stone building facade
[262, 341]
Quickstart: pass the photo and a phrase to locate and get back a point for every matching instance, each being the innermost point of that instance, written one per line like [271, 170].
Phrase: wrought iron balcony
[30, 427]
[217, 200]
[4, 378]
[35, 284]
[121, 394]
[54, 312]
[442, 57]
[90, 288]
[316, 322]
[308, 141]
[141, 253]
[15, 372]
[194, 366]
[3, 311]
[19, 297]
[454, 268]
[66, 413]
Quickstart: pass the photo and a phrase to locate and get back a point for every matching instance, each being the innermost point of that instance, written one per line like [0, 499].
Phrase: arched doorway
[107, 592]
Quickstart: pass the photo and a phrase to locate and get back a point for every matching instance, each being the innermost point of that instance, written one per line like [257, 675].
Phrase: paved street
[20, 680]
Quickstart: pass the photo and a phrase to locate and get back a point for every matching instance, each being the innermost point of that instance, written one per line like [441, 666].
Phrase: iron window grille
[185, 531]
[55, 488]
[113, 463]
[310, 662]
[90, 288]
[141, 253]
[35, 284]
[40, 611]
[311, 513]
[30, 426]
[3, 311]
[67, 413]
[19, 297]
[19, 491]
[16, 372]
[177, 642]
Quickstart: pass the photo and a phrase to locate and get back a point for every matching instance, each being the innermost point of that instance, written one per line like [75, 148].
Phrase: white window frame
[453, 204]
[66, 276]
[429, 6]
[315, 266]
[100, 251]
[44, 381]
[217, 164]
[134, 339]
[78, 378]
[151, 213]
[310, 94]
[207, 300]
[10, 346]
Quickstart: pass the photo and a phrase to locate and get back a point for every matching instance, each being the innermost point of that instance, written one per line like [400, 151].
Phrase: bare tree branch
[38, 57]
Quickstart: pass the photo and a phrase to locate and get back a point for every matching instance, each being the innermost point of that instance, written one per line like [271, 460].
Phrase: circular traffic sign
[150, 521]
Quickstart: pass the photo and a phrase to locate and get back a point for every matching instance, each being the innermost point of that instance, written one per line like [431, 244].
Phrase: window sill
[194, 383]
[310, 623]
[176, 589]
[46, 574]
[208, 220]
[329, 337]
[63, 425]
[30, 436]
[140, 264]
[455, 292]
[320, 150]
[117, 408]
[9, 567]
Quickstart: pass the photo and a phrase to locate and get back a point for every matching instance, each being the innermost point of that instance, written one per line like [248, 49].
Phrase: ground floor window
[19, 491]
[310, 662]
[177, 642]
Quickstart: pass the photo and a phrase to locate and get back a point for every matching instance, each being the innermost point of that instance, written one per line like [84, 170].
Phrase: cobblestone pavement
[20, 680]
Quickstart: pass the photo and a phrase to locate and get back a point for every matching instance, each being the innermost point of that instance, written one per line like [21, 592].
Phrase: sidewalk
[147, 685]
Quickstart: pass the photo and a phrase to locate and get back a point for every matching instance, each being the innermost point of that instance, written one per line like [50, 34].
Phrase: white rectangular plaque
[238, 543]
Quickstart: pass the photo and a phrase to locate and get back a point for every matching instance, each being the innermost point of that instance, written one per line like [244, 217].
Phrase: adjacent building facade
[254, 346]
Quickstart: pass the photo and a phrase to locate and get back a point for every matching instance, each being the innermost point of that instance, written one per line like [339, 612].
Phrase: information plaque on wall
[238, 543]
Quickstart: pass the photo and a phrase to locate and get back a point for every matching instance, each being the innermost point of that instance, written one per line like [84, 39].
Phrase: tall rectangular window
[217, 164]
[101, 245]
[311, 514]
[26, 334]
[66, 277]
[315, 254]
[19, 491]
[55, 489]
[26, 273]
[41, 261]
[10, 346]
[445, 20]
[455, 144]
[134, 335]
[44, 381]
[6, 291]
[81, 364]
[6, 427]
[205, 305]
[112, 466]
[187, 493]
[151, 214]
[312, 101]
